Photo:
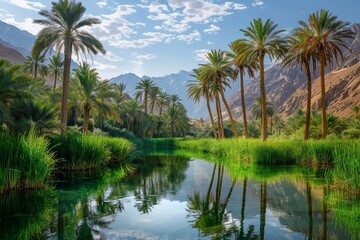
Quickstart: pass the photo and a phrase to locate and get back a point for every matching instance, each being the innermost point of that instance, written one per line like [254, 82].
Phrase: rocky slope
[286, 87]
[11, 55]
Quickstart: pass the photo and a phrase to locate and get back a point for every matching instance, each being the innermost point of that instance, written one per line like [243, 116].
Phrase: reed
[25, 162]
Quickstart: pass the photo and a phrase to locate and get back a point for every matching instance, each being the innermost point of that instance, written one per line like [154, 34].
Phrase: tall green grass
[81, 152]
[25, 162]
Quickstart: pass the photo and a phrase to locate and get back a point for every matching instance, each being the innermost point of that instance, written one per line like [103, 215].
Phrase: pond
[174, 197]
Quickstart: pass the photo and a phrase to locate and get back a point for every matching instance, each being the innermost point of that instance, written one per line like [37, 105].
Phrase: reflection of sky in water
[169, 219]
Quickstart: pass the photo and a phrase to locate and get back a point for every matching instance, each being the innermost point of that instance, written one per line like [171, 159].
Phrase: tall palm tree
[63, 31]
[154, 98]
[175, 100]
[257, 109]
[325, 35]
[218, 70]
[243, 65]
[35, 65]
[144, 87]
[131, 111]
[87, 86]
[200, 87]
[56, 68]
[175, 118]
[299, 54]
[263, 40]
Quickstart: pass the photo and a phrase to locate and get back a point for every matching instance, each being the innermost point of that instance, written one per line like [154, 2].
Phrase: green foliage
[25, 162]
[80, 152]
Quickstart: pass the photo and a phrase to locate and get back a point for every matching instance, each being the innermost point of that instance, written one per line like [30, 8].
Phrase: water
[172, 197]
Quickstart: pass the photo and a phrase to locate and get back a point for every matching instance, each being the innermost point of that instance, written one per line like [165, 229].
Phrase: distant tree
[35, 65]
[56, 69]
[143, 89]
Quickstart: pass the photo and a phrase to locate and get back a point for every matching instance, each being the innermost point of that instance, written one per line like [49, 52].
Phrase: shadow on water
[178, 197]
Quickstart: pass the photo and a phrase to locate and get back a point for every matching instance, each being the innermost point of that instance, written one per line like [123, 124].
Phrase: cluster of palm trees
[316, 43]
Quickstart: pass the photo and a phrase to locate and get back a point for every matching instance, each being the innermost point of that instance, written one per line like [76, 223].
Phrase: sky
[160, 37]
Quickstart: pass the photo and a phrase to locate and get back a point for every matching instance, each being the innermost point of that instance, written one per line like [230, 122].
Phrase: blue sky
[159, 37]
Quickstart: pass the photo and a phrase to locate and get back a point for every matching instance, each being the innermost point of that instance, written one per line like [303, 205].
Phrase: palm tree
[154, 98]
[325, 35]
[200, 87]
[131, 111]
[218, 70]
[12, 86]
[242, 64]
[56, 69]
[35, 65]
[63, 31]
[87, 86]
[257, 109]
[175, 118]
[144, 87]
[175, 100]
[263, 40]
[163, 100]
[299, 54]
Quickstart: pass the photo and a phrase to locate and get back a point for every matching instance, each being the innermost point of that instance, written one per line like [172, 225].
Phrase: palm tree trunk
[218, 117]
[323, 100]
[145, 102]
[308, 103]
[209, 189]
[243, 204]
[160, 111]
[263, 100]
[93, 120]
[101, 120]
[211, 116]
[86, 120]
[262, 210]
[309, 200]
[55, 79]
[66, 80]
[242, 93]
[220, 120]
[35, 70]
[233, 124]
[152, 107]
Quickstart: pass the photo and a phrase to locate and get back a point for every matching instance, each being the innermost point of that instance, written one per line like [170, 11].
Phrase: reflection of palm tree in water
[262, 210]
[324, 214]
[309, 200]
[209, 213]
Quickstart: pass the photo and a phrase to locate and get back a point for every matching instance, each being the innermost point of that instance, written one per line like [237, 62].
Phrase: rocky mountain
[18, 40]
[11, 55]
[286, 87]
[173, 84]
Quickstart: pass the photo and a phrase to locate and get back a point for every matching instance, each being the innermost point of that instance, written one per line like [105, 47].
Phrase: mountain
[173, 84]
[11, 55]
[286, 87]
[21, 41]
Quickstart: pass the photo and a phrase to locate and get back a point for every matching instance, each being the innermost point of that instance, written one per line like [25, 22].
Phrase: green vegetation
[78, 152]
[25, 161]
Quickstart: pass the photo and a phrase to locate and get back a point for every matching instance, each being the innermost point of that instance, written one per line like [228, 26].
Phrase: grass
[82, 152]
[25, 162]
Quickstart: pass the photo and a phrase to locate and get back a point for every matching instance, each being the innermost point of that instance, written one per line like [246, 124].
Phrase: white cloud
[101, 66]
[189, 38]
[210, 43]
[150, 38]
[238, 6]
[212, 29]
[200, 54]
[137, 62]
[27, 25]
[146, 56]
[35, 6]
[112, 57]
[102, 4]
[258, 3]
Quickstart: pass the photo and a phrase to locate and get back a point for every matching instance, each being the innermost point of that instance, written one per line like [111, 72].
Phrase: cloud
[257, 3]
[102, 4]
[112, 57]
[101, 66]
[189, 38]
[210, 43]
[145, 57]
[212, 29]
[35, 6]
[27, 25]
[200, 54]
[149, 38]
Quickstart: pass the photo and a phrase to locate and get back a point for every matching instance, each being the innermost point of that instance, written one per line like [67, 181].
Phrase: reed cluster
[25, 161]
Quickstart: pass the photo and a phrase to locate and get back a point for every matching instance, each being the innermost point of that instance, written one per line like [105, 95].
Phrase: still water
[172, 197]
